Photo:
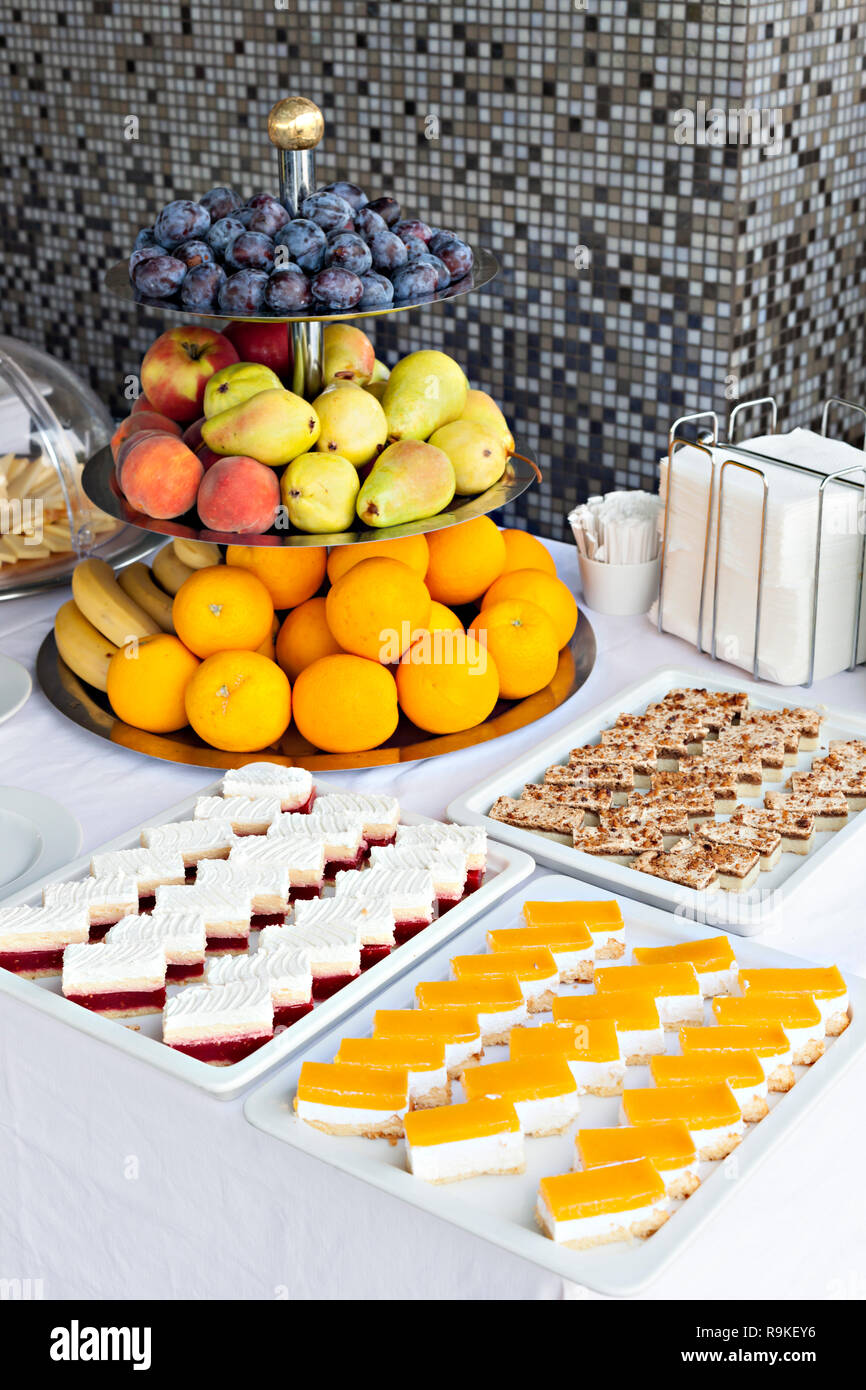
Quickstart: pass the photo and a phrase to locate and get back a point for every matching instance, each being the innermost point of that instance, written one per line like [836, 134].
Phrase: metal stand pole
[295, 127]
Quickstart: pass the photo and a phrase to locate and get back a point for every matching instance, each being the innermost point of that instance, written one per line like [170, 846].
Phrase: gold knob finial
[295, 123]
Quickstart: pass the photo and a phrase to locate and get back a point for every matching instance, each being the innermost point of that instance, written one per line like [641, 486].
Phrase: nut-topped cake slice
[828, 809]
[686, 864]
[796, 829]
[547, 817]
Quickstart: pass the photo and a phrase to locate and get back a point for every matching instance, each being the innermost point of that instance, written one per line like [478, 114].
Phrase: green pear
[319, 492]
[272, 426]
[425, 390]
[483, 410]
[478, 457]
[235, 383]
[352, 423]
[347, 354]
[380, 371]
[410, 480]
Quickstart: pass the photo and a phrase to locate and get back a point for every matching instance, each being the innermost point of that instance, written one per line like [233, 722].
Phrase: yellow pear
[348, 353]
[483, 409]
[478, 457]
[272, 426]
[425, 390]
[352, 423]
[235, 383]
[319, 492]
[410, 480]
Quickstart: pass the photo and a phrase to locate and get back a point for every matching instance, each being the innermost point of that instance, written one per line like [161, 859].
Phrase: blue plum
[221, 202]
[305, 242]
[415, 281]
[457, 255]
[243, 293]
[144, 238]
[194, 253]
[350, 192]
[413, 228]
[200, 290]
[387, 208]
[180, 221]
[334, 288]
[288, 291]
[440, 267]
[222, 232]
[378, 291]
[158, 277]
[388, 252]
[329, 212]
[368, 223]
[350, 251]
[250, 251]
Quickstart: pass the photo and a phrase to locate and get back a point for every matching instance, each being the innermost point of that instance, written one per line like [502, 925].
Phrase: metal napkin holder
[709, 440]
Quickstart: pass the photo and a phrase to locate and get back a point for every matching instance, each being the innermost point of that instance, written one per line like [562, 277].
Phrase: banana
[82, 646]
[105, 605]
[137, 583]
[199, 555]
[168, 570]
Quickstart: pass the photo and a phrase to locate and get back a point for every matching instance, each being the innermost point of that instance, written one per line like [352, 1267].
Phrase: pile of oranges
[368, 631]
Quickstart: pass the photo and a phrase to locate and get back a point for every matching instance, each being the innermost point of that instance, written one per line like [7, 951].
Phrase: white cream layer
[285, 969]
[312, 1111]
[715, 982]
[208, 901]
[178, 933]
[472, 839]
[290, 784]
[219, 1011]
[331, 950]
[379, 814]
[489, 1153]
[408, 891]
[302, 855]
[373, 921]
[640, 1042]
[597, 1227]
[608, 1074]
[148, 867]
[42, 928]
[115, 890]
[241, 811]
[189, 837]
[448, 869]
[104, 968]
[267, 885]
[342, 835]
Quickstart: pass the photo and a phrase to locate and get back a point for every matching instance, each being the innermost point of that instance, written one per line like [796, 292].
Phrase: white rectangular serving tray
[505, 869]
[743, 913]
[501, 1209]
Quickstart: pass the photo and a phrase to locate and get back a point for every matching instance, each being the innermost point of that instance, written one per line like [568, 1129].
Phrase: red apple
[266, 343]
[177, 367]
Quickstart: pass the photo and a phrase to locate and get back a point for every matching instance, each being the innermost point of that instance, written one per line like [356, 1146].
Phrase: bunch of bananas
[106, 610]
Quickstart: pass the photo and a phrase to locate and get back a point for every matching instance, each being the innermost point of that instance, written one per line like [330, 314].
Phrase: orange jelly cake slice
[713, 958]
[590, 1047]
[635, 1015]
[768, 1041]
[422, 1058]
[542, 1090]
[714, 1119]
[497, 1000]
[798, 1015]
[457, 1028]
[534, 967]
[675, 989]
[740, 1069]
[602, 918]
[570, 944]
[669, 1147]
[454, 1142]
[824, 983]
[343, 1098]
[617, 1201]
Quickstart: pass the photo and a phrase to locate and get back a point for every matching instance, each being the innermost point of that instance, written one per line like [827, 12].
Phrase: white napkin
[620, 528]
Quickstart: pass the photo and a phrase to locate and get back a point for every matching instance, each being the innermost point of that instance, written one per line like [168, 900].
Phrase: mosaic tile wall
[640, 275]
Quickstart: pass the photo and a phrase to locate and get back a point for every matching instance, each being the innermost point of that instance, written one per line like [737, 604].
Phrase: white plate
[36, 836]
[505, 869]
[744, 913]
[501, 1209]
[15, 687]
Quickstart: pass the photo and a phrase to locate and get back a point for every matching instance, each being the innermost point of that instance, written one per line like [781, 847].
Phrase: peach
[192, 433]
[144, 420]
[238, 495]
[142, 403]
[161, 476]
[265, 343]
[207, 456]
[134, 439]
[177, 367]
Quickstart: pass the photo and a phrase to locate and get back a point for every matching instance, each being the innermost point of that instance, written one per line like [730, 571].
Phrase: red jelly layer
[327, 985]
[121, 999]
[146, 902]
[301, 810]
[474, 880]
[189, 872]
[370, 954]
[32, 960]
[389, 840]
[218, 944]
[290, 1013]
[404, 931]
[339, 866]
[445, 904]
[184, 972]
[99, 930]
[222, 1049]
[267, 919]
[305, 890]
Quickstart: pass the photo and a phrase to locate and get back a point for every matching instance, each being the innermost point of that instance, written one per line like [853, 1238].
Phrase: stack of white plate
[789, 556]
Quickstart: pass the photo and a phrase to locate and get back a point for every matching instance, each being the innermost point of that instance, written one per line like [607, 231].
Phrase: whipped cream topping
[209, 901]
[374, 920]
[333, 827]
[375, 810]
[446, 863]
[287, 967]
[400, 888]
[322, 945]
[243, 1003]
[240, 810]
[93, 892]
[298, 852]
[57, 922]
[172, 931]
[142, 864]
[471, 838]
[191, 836]
[269, 779]
[253, 877]
[119, 965]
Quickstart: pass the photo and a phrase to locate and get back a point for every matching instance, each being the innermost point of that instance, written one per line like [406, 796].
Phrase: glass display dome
[51, 422]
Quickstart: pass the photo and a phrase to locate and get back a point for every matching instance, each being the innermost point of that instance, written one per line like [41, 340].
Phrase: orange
[524, 552]
[291, 574]
[464, 560]
[346, 704]
[520, 638]
[443, 620]
[444, 688]
[268, 647]
[376, 609]
[239, 701]
[546, 591]
[305, 637]
[411, 550]
[147, 681]
[221, 609]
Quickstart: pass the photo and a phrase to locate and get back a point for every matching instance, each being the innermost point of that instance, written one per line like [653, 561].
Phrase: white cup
[619, 589]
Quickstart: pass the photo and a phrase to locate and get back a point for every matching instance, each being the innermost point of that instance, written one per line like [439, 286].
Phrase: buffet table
[120, 1182]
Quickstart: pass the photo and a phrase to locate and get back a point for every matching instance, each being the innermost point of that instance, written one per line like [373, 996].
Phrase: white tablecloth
[120, 1182]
